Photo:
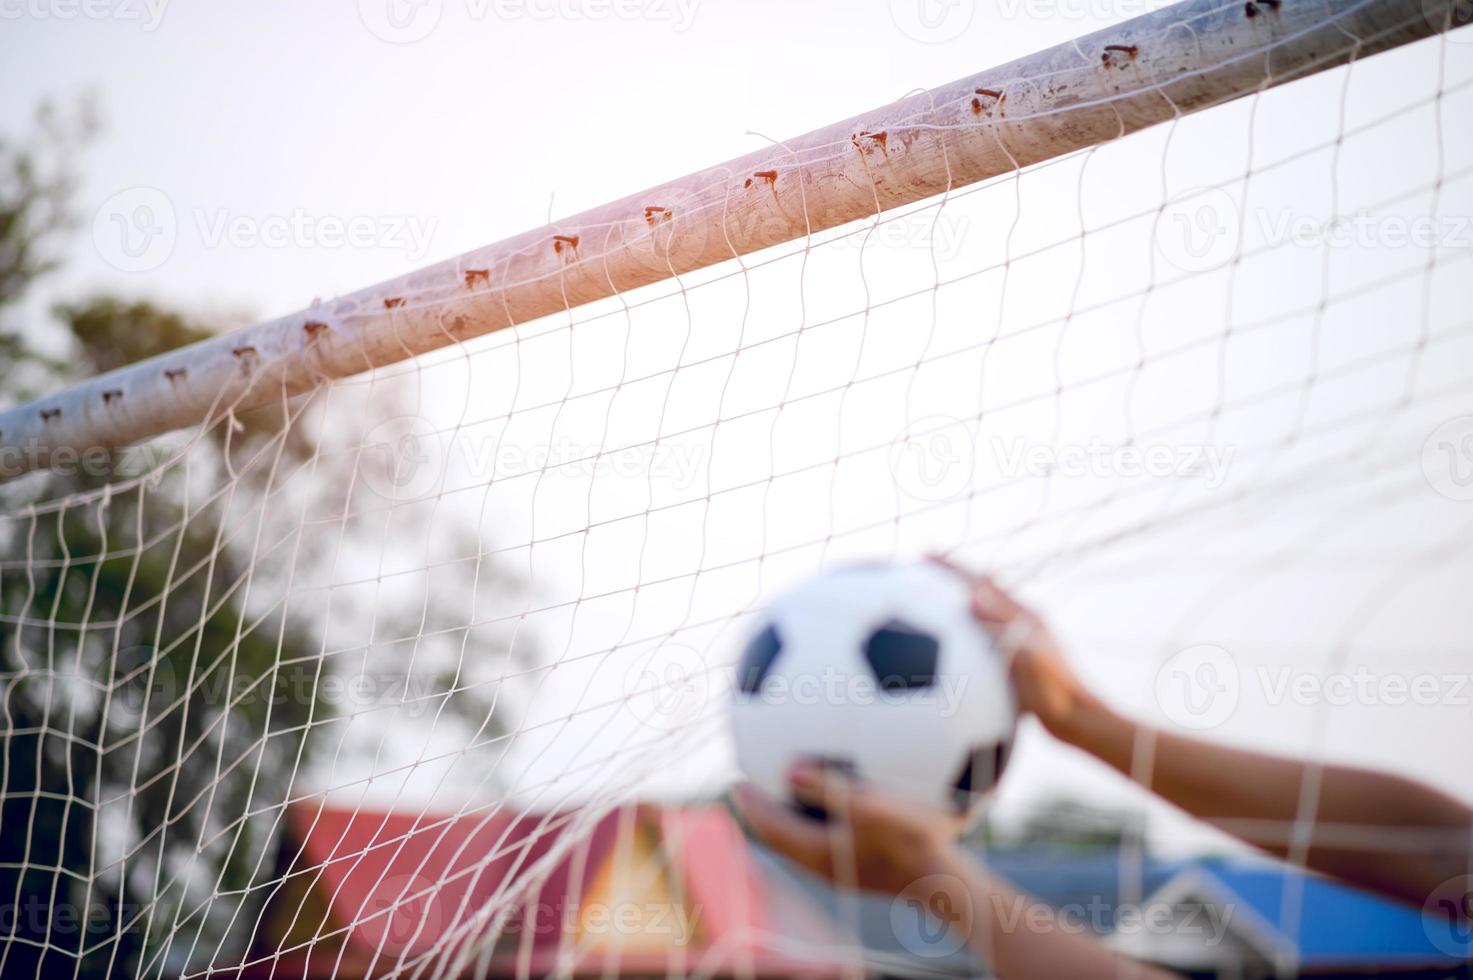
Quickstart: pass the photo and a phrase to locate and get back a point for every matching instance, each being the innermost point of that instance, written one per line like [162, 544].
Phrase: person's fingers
[802, 840]
[991, 604]
[829, 789]
[951, 566]
[1010, 623]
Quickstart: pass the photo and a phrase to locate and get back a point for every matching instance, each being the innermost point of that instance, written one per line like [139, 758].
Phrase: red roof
[366, 892]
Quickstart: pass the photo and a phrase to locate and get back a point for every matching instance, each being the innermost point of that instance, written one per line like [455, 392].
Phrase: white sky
[244, 114]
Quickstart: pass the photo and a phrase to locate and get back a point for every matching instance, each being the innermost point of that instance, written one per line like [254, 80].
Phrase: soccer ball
[879, 670]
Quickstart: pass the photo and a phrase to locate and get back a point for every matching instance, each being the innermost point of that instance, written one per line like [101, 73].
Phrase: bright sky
[267, 129]
[257, 112]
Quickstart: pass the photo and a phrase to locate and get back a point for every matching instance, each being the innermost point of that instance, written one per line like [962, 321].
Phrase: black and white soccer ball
[882, 671]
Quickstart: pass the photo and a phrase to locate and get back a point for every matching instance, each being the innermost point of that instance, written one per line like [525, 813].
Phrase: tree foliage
[167, 634]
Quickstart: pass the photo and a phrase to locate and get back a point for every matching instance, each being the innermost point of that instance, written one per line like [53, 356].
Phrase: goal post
[1156, 67]
[399, 636]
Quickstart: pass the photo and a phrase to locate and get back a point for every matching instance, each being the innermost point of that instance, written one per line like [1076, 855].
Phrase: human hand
[870, 841]
[1045, 684]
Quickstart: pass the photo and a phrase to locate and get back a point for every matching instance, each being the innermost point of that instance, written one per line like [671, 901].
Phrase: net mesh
[376, 679]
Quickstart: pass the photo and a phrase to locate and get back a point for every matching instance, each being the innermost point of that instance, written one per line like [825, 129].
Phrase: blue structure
[1219, 917]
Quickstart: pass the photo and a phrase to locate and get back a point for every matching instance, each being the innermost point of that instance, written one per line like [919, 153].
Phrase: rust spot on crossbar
[1250, 9]
[473, 276]
[247, 356]
[176, 374]
[880, 139]
[314, 327]
[111, 395]
[768, 175]
[393, 302]
[1107, 57]
[993, 94]
[655, 214]
[561, 243]
[47, 414]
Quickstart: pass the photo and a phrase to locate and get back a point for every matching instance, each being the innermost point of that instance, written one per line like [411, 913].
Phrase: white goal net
[403, 671]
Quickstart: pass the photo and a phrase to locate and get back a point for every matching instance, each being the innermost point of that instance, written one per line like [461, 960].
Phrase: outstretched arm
[1379, 831]
[881, 844]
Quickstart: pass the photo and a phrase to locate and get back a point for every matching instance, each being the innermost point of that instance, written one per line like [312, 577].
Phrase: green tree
[164, 664]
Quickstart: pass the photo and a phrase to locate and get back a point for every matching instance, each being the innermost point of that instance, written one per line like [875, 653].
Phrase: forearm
[1018, 936]
[1373, 829]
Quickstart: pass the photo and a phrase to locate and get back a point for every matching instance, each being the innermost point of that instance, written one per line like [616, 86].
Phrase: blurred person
[1330, 818]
